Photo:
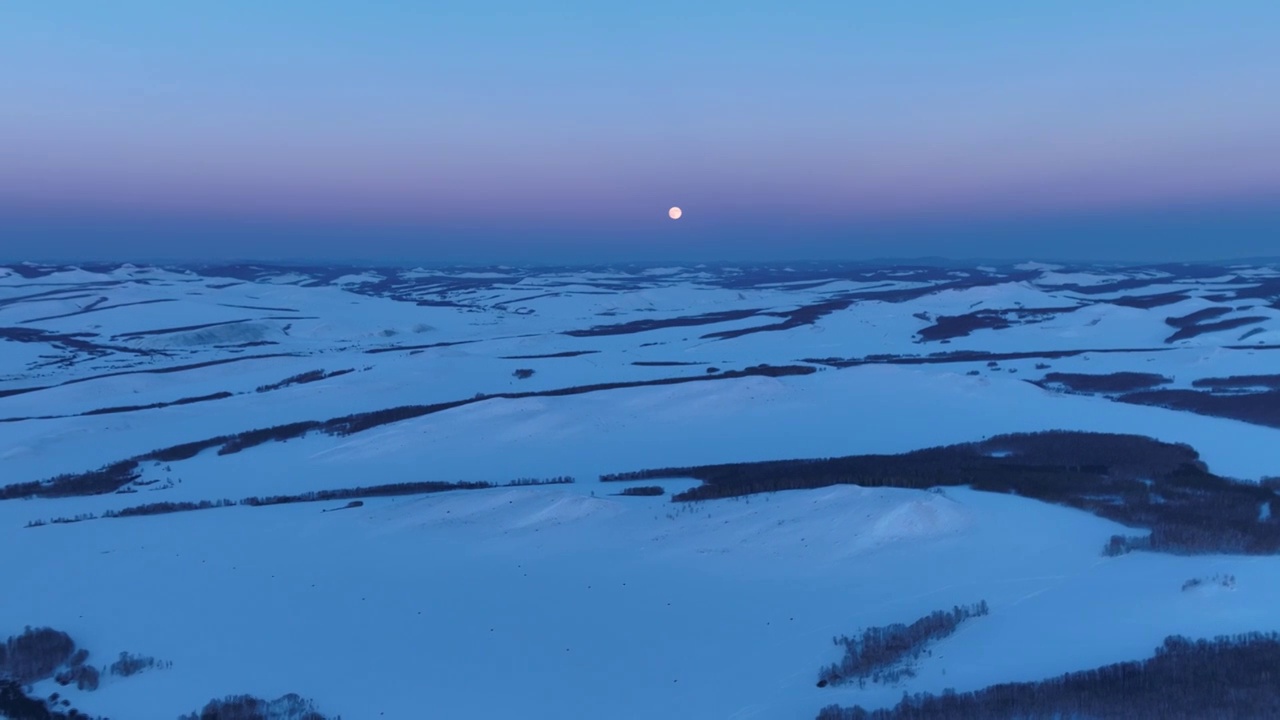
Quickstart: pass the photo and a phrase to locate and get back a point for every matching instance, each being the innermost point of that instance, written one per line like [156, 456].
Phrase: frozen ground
[568, 601]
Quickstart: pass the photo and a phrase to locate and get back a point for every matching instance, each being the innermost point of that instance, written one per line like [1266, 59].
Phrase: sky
[553, 131]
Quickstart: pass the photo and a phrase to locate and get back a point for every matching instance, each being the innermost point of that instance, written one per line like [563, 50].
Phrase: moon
[675, 213]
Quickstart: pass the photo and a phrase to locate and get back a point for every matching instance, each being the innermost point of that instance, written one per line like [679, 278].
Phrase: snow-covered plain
[569, 601]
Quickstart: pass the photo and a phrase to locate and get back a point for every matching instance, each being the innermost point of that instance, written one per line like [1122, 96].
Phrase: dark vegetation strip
[127, 408]
[376, 351]
[564, 354]
[249, 707]
[643, 491]
[300, 379]
[1130, 479]
[170, 330]
[1259, 408]
[1117, 382]
[101, 308]
[258, 307]
[947, 327]
[799, 317]
[41, 654]
[36, 655]
[303, 378]
[389, 490]
[883, 654]
[74, 342]
[1148, 302]
[1228, 677]
[1187, 333]
[964, 356]
[1239, 382]
[638, 326]
[48, 295]
[154, 406]
[1195, 318]
[148, 371]
[117, 475]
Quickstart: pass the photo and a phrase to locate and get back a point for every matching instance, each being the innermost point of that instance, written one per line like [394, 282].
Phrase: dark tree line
[1131, 479]
[302, 379]
[35, 654]
[1258, 408]
[643, 491]
[1117, 382]
[40, 654]
[15, 704]
[1228, 677]
[947, 327]
[389, 490]
[964, 356]
[1239, 382]
[247, 707]
[129, 665]
[117, 475]
[878, 653]
[1195, 318]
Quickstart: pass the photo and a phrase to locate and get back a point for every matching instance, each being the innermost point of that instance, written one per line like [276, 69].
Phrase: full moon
[675, 213]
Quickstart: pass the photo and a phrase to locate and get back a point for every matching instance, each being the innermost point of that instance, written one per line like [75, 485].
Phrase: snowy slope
[569, 601]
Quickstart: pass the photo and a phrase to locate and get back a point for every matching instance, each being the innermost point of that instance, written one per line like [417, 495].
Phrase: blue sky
[560, 131]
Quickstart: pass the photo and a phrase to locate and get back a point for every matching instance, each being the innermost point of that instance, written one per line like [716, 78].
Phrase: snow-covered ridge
[618, 606]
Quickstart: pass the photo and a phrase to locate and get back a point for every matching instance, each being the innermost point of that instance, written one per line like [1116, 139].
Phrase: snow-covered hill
[568, 600]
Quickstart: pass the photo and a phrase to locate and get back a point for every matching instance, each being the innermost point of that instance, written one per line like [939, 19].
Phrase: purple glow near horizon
[564, 121]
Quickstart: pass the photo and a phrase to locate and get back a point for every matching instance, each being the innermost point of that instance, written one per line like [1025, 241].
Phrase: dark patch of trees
[1260, 408]
[1148, 302]
[637, 326]
[1239, 382]
[428, 346]
[247, 707]
[95, 482]
[526, 482]
[1228, 677]
[409, 488]
[127, 408]
[805, 315]
[1131, 479]
[523, 373]
[882, 654]
[278, 433]
[644, 491]
[129, 665]
[1197, 330]
[563, 354]
[16, 705]
[171, 330]
[1117, 382]
[967, 356]
[949, 327]
[1195, 318]
[158, 405]
[35, 654]
[302, 379]
[84, 677]
[164, 508]
[148, 371]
